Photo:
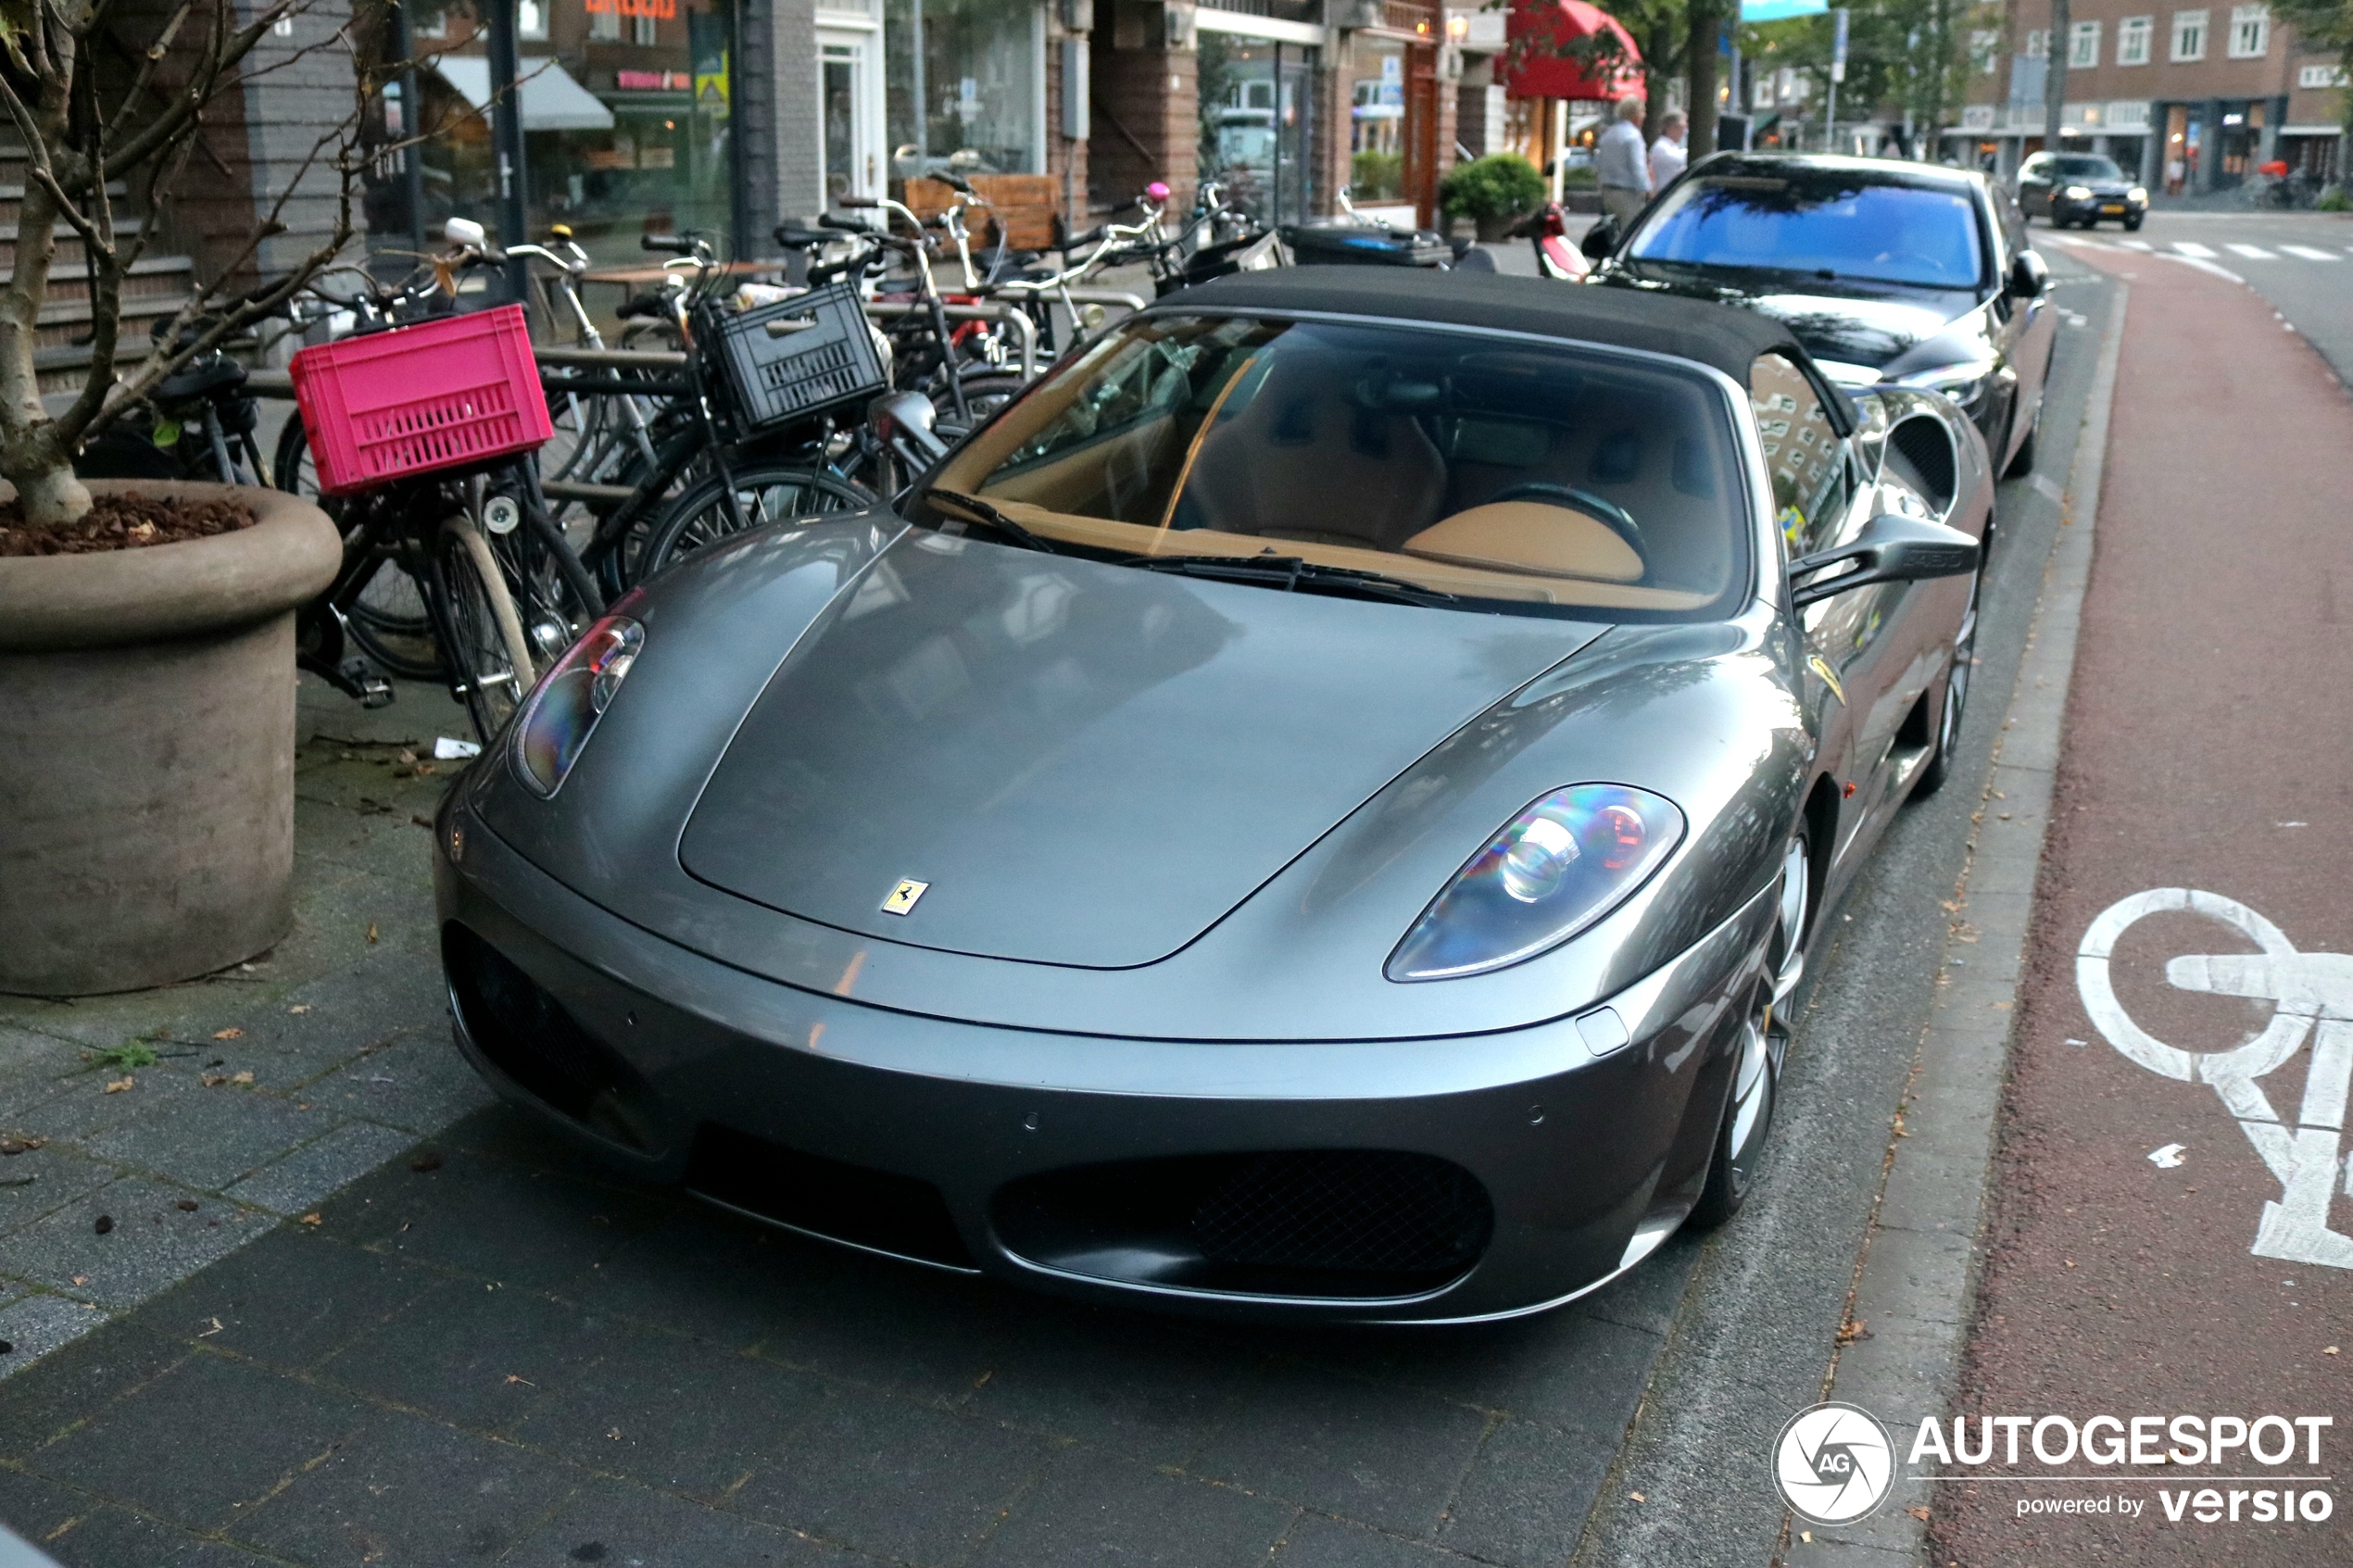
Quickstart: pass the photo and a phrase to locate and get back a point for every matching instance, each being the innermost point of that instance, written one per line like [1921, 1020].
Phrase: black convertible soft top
[1713, 334]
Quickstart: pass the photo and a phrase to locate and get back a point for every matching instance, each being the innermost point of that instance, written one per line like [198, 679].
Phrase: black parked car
[1891, 273]
[2079, 188]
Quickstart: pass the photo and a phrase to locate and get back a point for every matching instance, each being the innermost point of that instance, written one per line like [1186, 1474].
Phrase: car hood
[1086, 764]
[1850, 326]
[2097, 187]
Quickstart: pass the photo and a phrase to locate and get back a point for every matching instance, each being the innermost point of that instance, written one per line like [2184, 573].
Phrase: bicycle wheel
[387, 616]
[765, 496]
[984, 392]
[484, 636]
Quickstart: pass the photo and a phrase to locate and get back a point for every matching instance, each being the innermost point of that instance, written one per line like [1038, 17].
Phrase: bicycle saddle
[644, 306]
[206, 376]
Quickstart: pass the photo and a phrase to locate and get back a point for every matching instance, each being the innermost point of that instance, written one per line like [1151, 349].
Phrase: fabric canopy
[552, 100]
[1541, 30]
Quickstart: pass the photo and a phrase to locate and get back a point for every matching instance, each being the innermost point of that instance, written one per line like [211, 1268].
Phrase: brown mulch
[124, 521]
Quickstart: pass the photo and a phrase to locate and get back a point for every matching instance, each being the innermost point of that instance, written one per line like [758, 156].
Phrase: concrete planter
[147, 749]
[1492, 231]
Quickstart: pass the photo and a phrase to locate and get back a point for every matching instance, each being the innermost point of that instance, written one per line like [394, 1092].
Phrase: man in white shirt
[1668, 155]
[1620, 163]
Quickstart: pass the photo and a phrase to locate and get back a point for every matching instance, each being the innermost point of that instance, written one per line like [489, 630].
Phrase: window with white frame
[2189, 35]
[2038, 44]
[2083, 46]
[2250, 32]
[530, 20]
[642, 30]
[1985, 49]
[2133, 39]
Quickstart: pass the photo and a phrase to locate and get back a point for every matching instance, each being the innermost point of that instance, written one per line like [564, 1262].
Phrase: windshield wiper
[992, 519]
[1291, 574]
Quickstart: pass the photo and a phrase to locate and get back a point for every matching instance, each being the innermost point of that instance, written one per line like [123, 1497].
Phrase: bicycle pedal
[371, 689]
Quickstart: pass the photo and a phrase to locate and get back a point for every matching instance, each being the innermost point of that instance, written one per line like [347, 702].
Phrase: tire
[2023, 461]
[767, 495]
[1950, 712]
[1757, 1076]
[482, 631]
[387, 618]
[984, 392]
[2131, 225]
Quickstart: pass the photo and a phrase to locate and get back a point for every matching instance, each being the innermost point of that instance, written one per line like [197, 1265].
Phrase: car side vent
[1919, 453]
[518, 1023]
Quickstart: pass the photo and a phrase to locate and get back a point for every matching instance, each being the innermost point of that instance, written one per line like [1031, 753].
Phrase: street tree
[109, 99]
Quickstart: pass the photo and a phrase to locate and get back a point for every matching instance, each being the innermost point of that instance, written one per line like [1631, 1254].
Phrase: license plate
[2116, 211]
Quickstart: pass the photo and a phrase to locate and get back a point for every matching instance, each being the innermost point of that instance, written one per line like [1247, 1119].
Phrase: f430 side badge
[1830, 677]
[902, 898]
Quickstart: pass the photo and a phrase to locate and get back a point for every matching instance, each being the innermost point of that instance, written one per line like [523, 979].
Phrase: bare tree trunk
[1706, 23]
[2055, 76]
[32, 458]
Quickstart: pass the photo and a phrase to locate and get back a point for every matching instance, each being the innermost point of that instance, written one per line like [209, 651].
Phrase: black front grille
[525, 1031]
[1344, 1224]
[826, 1197]
[1373, 1210]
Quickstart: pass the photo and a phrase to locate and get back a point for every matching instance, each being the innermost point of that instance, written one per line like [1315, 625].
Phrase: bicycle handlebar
[672, 243]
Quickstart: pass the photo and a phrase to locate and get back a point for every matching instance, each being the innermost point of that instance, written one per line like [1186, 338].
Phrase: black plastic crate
[801, 356]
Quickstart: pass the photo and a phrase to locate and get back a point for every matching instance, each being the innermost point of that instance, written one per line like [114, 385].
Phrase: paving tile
[153, 1244]
[81, 1532]
[723, 1279]
[670, 1413]
[419, 1082]
[480, 1356]
[304, 1178]
[894, 1479]
[1141, 1387]
[915, 1332]
[1528, 1493]
[83, 1110]
[41, 1181]
[1362, 1450]
[33, 1325]
[1093, 1511]
[488, 1217]
[290, 1299]
[204, 1441]
[615, 1524]
[56, 1394]
[1569, 1369]
[31, 1068]
[402, 1490]
[1326, 1543]
[209, 1138]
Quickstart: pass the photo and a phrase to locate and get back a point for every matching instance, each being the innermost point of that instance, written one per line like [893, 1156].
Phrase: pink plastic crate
[443, 393]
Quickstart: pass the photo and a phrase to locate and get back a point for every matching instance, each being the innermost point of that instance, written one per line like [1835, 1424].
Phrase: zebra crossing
[2194, 251]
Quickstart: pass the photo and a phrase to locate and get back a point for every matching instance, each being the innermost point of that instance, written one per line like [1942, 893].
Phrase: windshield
[1542, 478]
[1828, 223]
[2084, 168]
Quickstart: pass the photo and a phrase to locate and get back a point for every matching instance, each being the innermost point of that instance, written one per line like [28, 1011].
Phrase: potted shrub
[147, 627]
[1491, 192]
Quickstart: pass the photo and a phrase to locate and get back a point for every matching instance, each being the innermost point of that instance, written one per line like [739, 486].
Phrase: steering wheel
[1611, 514]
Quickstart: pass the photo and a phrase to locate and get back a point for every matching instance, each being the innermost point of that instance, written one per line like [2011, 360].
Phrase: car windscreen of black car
[1831, 224]
[1512, 474]
[2079, 166]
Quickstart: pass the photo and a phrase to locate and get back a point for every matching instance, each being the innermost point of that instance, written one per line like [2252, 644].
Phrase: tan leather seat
[1531, 537]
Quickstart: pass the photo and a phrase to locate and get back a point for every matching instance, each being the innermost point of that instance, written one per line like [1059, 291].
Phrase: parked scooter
[1547, 228]
[1353, 239]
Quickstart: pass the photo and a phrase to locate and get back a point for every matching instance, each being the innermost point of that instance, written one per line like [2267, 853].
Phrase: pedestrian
[2174, 171]
[1620, 162]
[1668, 156]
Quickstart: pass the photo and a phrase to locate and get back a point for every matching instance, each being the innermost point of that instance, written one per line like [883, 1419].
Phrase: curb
[1917, 1280]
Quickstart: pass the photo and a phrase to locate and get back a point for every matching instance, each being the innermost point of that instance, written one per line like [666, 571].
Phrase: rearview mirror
[464, 231]
[2029, 277]
[1600, 239]
[1892, 548]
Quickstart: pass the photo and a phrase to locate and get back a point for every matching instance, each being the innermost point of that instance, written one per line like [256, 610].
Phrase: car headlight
[1964, 384]
[1556, 869]
[2078, 192]
[562, 713]
[2139, 193]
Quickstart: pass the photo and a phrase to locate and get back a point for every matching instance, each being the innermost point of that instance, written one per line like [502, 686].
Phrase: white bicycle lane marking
[2312, 993]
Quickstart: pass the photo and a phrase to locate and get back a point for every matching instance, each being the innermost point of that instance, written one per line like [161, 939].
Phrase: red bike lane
[2170, 1231]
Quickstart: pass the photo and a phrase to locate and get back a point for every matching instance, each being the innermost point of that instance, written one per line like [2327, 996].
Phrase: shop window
[1985, 49]
[2083, 46]
[2133, 39]
[530, 20]
[2189, 35]
[644, 30]
[973, 97]
[1257, 109]
[2250, 32]
[604, 27]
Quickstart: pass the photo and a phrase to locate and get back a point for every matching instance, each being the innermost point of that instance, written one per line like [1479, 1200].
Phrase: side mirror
[2029, 278]
[1600, 240]
[1892, 548]
[464, 231]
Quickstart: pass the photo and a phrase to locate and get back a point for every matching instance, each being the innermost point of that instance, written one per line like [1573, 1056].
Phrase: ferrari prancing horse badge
[902, 898]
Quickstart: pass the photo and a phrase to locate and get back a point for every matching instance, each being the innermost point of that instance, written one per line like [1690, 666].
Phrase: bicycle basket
[801, 356]
[452, 392]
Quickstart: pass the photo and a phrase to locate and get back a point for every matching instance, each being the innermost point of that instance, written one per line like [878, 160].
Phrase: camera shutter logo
[1834, 1464]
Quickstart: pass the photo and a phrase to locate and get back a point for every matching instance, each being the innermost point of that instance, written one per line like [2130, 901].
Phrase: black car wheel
[2023, 461]
[1956, 704]
[2132, 225]
[1748, 1110]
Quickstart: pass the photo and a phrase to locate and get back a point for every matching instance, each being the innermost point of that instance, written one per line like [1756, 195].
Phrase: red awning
[1538, 32]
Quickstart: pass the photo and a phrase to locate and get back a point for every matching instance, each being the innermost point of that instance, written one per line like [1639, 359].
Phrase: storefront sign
[653, 81]
[662, 10]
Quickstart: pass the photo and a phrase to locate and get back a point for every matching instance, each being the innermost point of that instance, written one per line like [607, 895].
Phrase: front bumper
[2097, 208]
[1426, 1180]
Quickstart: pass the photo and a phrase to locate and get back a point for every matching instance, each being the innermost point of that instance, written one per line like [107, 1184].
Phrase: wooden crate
[1025, 204]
